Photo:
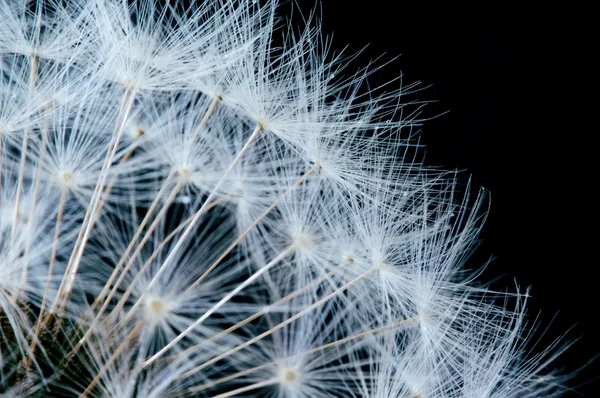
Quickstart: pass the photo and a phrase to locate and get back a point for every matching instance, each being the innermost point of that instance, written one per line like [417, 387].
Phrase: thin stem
[133, 241]
[114, 179]
[224, 379]
[105, 198]
[40, 323]
[280, 325]
[153, 226]
[253, 317]
[221, 302]
[204, 206]
[37, 179]
[254, 224]
[66, 287]
[384, 328]
[152, 257]
[254, 386]
[356, 336]
[139, 248]
[207, 115]
[32, 78]
[120, 348]
[144, 267]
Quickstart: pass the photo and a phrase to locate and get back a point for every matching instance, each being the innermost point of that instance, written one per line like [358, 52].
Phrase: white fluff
[187, 208]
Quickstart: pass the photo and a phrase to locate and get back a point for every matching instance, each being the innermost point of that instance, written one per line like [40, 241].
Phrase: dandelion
[190, 208]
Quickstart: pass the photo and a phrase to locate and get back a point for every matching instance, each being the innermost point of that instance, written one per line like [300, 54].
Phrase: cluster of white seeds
[197, 199]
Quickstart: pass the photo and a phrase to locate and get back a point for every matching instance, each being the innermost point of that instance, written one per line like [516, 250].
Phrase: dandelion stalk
[149, 212]
[261, 336]
[147, 235]
[126, 255]
[226, 252]
[120, 348]
[256, 315]
[68, 281]
[251, 226]
[25, 146]
[221, 302]
[155, 253]
[248, 388]
[41, 320]
[206, 203]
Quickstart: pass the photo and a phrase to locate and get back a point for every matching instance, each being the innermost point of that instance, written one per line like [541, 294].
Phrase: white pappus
[192, 206]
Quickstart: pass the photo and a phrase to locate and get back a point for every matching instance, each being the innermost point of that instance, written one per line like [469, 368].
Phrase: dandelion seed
[189, 209]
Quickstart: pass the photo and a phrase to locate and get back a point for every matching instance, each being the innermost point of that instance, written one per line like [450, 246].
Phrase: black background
[515, 86]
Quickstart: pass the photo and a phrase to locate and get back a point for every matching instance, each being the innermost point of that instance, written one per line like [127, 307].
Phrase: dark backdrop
[515, 87]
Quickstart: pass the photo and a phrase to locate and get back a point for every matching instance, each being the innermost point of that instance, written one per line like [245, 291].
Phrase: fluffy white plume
[188, 208]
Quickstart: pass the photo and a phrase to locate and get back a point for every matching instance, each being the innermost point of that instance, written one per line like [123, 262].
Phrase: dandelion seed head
[207, 210]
